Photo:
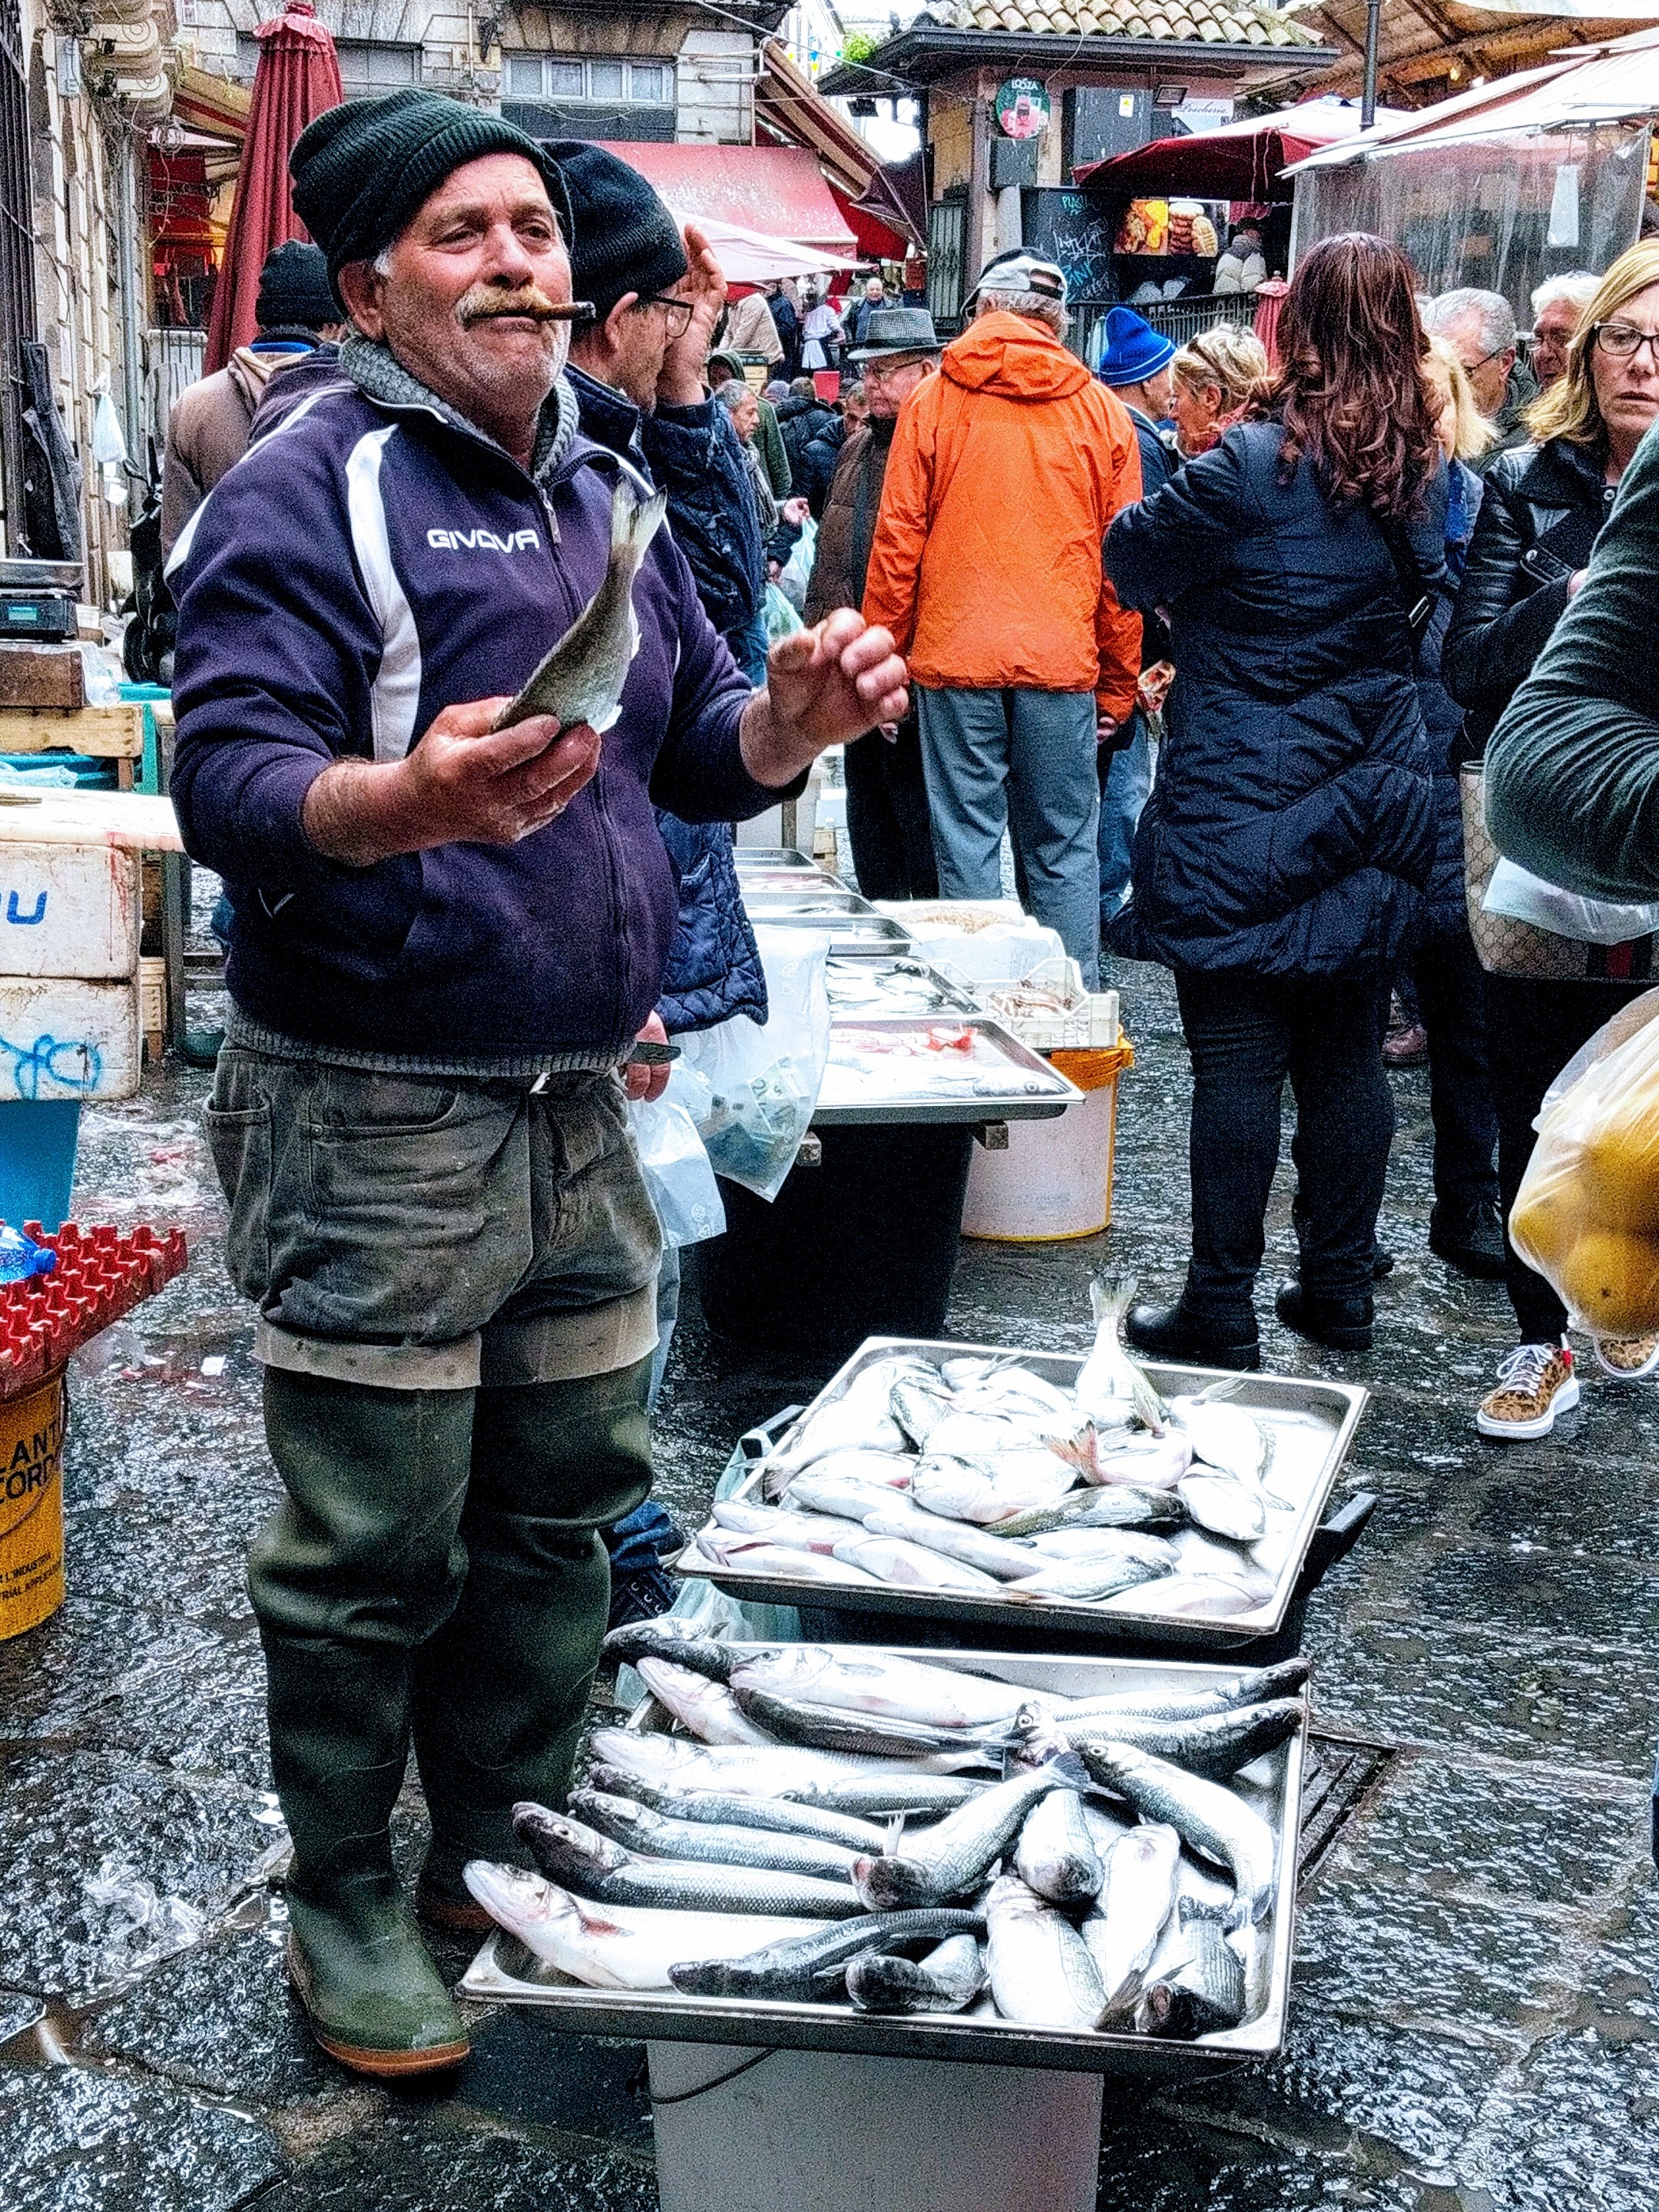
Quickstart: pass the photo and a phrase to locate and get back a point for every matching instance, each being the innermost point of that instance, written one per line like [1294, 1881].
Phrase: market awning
[210, 104]
[774, 191]
[790, 107]
[1241, 160]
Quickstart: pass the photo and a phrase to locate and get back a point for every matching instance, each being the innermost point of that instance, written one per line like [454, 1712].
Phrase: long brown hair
[1350, 388]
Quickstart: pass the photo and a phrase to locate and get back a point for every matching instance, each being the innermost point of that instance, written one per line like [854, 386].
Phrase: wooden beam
[100, 733]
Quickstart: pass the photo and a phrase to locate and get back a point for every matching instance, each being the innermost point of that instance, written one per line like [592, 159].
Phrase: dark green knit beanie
[362, 170]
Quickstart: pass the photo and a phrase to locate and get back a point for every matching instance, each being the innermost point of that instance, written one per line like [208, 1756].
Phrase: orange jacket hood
[1015, 358]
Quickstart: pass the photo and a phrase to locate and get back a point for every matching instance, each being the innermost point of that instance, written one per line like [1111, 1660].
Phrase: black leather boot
[1344, 1324]
[1469, 1238]
[1191, 1339]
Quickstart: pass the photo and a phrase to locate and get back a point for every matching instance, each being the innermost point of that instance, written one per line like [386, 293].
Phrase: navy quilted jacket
[1291, 827]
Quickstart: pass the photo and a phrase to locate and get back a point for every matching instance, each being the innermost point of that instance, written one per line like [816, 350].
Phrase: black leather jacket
[1542, 512]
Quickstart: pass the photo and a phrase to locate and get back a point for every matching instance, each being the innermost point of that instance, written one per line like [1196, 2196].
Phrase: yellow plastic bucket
[32, 1506]
[1054, 1180]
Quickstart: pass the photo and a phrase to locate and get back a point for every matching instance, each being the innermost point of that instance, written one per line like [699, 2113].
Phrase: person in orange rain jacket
[1006, 469]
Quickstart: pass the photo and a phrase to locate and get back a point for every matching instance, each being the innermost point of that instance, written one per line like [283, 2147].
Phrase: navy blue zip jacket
[1290, 831]
[371, 561]
[714, 965]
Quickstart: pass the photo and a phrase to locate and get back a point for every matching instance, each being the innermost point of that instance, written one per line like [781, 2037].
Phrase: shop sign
[1021, 107]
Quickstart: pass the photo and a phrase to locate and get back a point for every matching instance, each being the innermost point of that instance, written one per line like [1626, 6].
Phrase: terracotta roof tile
[1226, 22]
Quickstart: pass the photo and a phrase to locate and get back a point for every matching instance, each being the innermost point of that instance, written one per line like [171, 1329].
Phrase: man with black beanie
[448, 937]
[210, 425]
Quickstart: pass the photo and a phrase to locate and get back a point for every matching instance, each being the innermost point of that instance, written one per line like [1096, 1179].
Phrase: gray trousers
[1022, 762]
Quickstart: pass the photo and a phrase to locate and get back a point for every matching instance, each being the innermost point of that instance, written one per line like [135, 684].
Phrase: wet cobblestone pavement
[1475, 2024]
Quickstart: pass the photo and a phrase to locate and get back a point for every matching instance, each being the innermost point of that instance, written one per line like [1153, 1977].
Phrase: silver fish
[1206, 1815]
[1105, 1544]
[1082, 1582]
[1188, 1597]
[744, 1769]
[993, 1489]
[1136, 1900]
[1151, 1463]
[858, 1419]
[1253, 1685]
[877, 1470]
[1039, 1969]
[791, 1720]
[615, 1946]
[758, 1555]
[706, 1707]
[1212, 1744]
[792, 1532]
[1226, 1437]
[957, 1539]
[677, 1641]
[655, 1835]
[892, 1789]
[808, 1967]
[578, 1858]
[1055, 1855]
[724, 1808]
[1195, 1986]
[1121, 1505]
[1225, 1506]
[844, 1497]
[918, 1406]
[581, 679]
[947, 1980]
[912, 1566]
[1110, 1389]
[941, 1696]
[952, 1857]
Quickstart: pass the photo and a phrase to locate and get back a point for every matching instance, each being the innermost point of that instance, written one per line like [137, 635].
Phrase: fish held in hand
[801, 1970]
[1041, 1972]
[948, 1979]
[706, 1707]
[613, 1947]
[574, 1855]
[1137, 1898]
[1206, 1815]
[582, 678]
[1055, 1855]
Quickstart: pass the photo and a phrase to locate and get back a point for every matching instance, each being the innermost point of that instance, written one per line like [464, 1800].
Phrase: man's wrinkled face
[889, 382]
[1549, 340]
[1488, 373]
[462, 297]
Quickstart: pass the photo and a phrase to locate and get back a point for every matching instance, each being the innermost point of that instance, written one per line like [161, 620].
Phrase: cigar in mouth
[571, 311]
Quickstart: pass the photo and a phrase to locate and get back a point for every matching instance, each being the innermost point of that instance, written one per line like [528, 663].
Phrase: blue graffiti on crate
[14, 913]
[50, 1065]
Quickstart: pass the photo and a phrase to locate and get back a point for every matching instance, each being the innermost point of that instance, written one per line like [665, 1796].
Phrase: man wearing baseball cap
[1007, 469]
[448, 937]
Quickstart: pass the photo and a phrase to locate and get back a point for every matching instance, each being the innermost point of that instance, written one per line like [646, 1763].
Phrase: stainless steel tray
[749, 857]
[947, 997]
[846, 933]
[774, 903]
[1313, 1425]
[504, 1972]
[1035, 1092]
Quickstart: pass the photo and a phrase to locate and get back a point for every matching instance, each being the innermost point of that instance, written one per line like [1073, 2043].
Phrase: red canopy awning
[298, 76]
[1240, 161]
[778, 191]
[878, 240]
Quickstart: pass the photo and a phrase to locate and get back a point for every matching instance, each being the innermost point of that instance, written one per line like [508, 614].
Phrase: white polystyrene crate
[68, 910]
[62, 1038]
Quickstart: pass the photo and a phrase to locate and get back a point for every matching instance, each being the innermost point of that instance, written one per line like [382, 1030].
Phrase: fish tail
[634, 521]
[1111, 1295]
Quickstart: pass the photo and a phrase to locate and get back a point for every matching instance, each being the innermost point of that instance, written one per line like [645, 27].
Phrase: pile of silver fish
[977, 1477]
[842, 1826]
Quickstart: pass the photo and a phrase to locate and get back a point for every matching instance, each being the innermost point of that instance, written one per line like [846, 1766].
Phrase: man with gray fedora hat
[887, 819]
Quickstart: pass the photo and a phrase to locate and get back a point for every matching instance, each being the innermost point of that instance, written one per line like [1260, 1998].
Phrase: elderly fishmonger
[446, 942]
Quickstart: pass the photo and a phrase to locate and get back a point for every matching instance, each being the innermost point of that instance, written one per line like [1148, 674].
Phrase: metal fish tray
[873, 968]
[1313, 1425]
[1032, 1090]
[750, 858]
[504, 1971]
[851, 932]
[780, 902]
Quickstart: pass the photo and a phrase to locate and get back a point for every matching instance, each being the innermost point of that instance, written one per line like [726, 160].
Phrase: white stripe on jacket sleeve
[395, 693]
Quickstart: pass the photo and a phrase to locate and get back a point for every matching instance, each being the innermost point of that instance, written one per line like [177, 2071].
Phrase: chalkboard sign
[1075, 230]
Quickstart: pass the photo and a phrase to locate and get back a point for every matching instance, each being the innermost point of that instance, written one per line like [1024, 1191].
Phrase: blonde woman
[1216, 375]
[1543, 509]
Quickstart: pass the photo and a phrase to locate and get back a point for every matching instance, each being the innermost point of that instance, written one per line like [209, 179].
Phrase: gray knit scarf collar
[375, 370]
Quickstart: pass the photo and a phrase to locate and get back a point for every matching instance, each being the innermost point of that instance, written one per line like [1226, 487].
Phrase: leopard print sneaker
[1535, 1383]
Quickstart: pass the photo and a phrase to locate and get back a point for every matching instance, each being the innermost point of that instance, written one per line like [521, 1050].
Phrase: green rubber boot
[358, 1565]
[500, 1689]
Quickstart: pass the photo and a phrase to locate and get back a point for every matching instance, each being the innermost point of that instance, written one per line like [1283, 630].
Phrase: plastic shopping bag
[1522, 896]
[798, 568]
[782, 619]
[760, 1085]
[677, 1171]
[1587, 1214]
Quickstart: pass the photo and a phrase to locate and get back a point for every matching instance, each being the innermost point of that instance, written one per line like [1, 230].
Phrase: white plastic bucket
[1054, 1180]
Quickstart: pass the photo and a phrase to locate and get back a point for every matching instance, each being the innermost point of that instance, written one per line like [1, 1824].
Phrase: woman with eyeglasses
[1213, 378]
[1544, 507]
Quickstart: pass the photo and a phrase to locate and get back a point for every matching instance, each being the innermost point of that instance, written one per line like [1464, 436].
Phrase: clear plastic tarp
[1502, 212]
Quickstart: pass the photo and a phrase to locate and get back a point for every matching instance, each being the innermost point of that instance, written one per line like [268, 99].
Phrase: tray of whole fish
[1085, 1864]
[882, 983]
[987, 1487]
[902, 1068]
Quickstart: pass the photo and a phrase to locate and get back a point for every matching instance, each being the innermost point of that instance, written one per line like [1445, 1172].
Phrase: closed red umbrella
[298, 76]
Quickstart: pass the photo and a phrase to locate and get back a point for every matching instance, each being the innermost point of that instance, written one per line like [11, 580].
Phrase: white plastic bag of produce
[677, 1171]
[798, 568]
[762, 1082]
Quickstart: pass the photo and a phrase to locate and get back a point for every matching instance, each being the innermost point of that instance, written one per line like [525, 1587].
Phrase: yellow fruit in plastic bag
[1548, 1219]
[1610, 1281]
[1619, 1166]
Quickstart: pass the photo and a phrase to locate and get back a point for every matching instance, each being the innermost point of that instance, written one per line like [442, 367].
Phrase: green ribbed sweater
[1572, 769]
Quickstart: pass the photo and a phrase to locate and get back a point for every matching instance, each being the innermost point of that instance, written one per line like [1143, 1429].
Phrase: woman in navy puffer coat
[1280, 865]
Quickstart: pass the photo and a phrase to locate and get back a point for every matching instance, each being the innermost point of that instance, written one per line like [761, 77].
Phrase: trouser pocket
[239, 1133]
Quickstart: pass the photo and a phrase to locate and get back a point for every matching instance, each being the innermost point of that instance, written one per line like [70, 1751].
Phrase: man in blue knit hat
[1135, 365]
[446, 938]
